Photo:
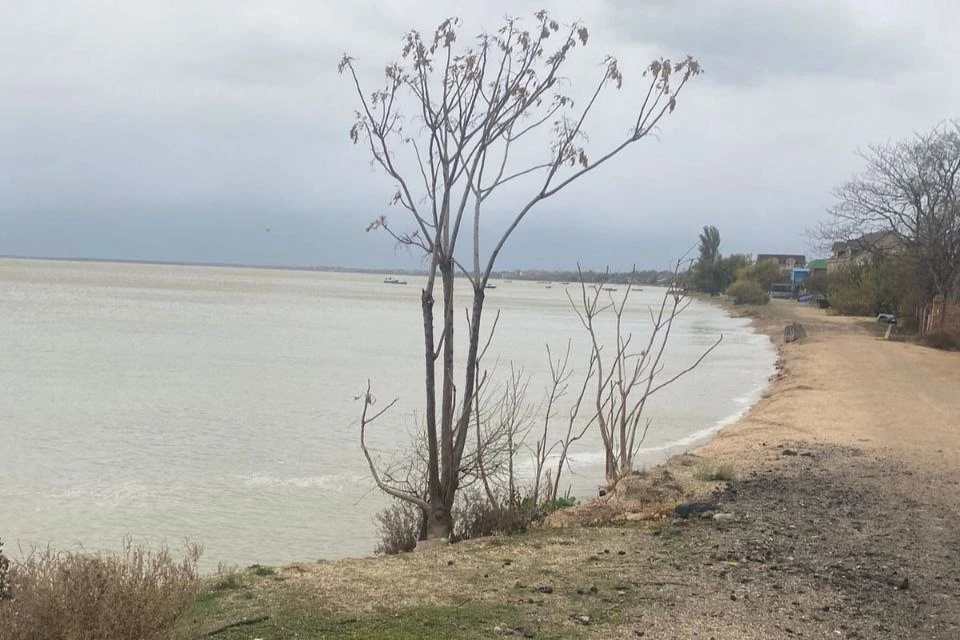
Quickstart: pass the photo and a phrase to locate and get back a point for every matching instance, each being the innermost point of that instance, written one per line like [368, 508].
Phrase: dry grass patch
[943, 341]
[716, 473]
[4, 574]
[640, 496]
[488, 569]
[137, 594]
[538, 582]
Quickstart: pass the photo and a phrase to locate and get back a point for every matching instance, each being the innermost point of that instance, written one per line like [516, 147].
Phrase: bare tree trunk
[439, 521]
[613, 473]
[473, 354]
[441, 499]
[434, 497]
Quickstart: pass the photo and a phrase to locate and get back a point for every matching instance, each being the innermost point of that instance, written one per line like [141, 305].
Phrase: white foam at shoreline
[336, 481]
[658, 452]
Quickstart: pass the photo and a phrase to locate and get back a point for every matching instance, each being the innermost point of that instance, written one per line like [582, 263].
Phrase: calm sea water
[217, 404]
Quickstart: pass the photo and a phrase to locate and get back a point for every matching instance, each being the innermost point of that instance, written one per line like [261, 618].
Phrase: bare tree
[502, 430]
[443, 126]
[625, 377]
[908, 188]
[546, 483]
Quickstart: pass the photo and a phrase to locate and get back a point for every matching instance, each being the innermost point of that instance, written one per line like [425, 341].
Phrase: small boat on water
[490, 286]
[609, 288]
[392, 280]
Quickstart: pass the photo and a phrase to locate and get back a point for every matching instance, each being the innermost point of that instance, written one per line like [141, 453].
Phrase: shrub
[864, 289]
[476, 517]
[228, 579]
[262, 571]
[747, 292]
[5, 591]
[819, 284]
[563, 502]
[764, 273]
[939, 340]
[719, 473]
[134, 595]
[399, 527]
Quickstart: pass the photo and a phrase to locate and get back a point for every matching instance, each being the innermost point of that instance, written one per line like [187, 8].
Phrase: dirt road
[846, 386]
[856, 535]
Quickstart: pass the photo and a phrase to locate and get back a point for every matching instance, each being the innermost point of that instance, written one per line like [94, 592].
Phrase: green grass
[548, 583]
[468, 621]
[518, 611]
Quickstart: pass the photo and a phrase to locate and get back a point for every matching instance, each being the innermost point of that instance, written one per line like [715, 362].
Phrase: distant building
[863, 249]
[786, 262]
[817, 266]
[799, 276]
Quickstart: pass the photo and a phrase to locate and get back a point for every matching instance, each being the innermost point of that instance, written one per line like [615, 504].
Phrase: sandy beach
[841, 523]
[844, 386]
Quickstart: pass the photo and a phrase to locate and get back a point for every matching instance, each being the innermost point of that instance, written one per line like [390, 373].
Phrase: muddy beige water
[217, 404]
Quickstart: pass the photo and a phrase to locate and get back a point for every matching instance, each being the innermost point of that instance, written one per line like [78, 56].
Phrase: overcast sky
[181, 130]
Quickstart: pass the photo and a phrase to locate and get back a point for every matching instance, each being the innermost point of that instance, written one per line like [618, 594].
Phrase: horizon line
[240, 265]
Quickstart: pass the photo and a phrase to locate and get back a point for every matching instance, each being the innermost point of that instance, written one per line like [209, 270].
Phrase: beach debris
[791, 452]
[580, 619]
[793, 332]
[239, 623]
[545, 589]
[724, 517]
[692, 509]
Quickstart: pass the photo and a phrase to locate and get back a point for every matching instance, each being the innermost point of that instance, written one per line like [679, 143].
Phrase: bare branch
[368, 401]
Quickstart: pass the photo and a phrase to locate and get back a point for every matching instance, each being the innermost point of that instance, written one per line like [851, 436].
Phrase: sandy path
[845, 386]
[860, 539]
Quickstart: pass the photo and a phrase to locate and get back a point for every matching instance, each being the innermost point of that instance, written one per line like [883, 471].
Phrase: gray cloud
[180, 130]
[750, 41]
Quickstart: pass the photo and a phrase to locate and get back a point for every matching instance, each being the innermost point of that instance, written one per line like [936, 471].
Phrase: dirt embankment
[842, 522]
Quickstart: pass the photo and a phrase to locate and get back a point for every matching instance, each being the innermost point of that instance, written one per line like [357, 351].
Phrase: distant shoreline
[228, 265]
[647, 277]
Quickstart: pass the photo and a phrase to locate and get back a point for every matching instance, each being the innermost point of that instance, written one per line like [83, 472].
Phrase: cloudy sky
[181, 130]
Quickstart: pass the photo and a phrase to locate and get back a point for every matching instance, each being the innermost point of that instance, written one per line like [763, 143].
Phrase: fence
[942, 317]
